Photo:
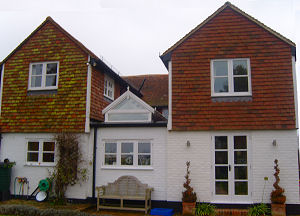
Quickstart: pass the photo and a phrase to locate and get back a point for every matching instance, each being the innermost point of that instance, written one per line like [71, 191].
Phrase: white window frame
[135, 154]
[40, 153]
[231, 198]
[149, 114]
[44, 71]
[107, 88]
[230, 78]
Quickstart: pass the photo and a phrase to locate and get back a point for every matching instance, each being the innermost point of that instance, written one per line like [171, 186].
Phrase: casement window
[127, 153]
[43, 76]
[109, 87]
[230, 77]
[40, 152]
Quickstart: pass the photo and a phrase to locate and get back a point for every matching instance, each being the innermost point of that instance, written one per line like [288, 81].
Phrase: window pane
[110, 159]
[221, 84]
[241, 188]
[221, 157]
[127, 148]
[240, 67]
[240, 172]
[110, 147]
[240, 142]
[240, 84]
[37, 69]
[32, 157]
[48, 157]
[51, 80]
[221, 188]
[240, 157]
[33, 146]
[221, 142]
[144, 148]
[127, 160]
[36, 81]
[221, 172]
[220, 68]
[48, 146]
[128, 117]
[52, 68]
[144, 160]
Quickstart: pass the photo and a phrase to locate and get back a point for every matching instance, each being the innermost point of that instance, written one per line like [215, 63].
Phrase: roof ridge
[235, 8]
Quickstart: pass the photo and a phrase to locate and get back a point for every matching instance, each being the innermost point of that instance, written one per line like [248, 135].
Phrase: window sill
[42, 92]
[231, 98]
[38, 165]
[146, 168]
[108, 98]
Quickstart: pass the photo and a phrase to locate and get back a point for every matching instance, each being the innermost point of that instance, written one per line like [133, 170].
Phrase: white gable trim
[127, 94]
[2, 75]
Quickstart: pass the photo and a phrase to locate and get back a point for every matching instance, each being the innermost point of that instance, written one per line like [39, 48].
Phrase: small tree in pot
[189, 197]
[277, 196]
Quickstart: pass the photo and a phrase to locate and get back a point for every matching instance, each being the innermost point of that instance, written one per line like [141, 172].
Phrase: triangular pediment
[128, 108]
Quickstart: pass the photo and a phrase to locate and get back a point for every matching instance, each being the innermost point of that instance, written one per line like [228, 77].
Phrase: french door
[231, 168]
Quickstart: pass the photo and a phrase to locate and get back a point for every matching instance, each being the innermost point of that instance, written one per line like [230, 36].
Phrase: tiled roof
[154, 90]
[227, 4]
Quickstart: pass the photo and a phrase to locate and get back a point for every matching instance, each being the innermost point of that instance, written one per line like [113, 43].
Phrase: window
[230, 77]
[43, 75]
[108, 87]
[127, 153]
[40, 152]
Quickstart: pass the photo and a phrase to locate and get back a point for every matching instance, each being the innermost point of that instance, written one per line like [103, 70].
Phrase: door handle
[229, 167]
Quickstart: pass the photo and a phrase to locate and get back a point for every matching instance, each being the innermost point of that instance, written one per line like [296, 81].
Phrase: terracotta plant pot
[188, 208]
[278, 209]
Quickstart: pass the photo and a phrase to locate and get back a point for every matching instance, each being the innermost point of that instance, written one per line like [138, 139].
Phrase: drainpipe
[94, 161]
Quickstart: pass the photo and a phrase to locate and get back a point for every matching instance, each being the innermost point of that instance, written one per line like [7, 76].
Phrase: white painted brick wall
[13, 146]
[262, 155]
[155, 178]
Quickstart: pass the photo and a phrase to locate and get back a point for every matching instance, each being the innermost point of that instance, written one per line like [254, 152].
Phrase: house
[52, 83]
[232, 110]
[228, 105]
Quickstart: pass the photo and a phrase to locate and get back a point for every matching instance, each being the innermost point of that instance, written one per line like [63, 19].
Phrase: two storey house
[51, 83]
[232, 110]
[228, 105]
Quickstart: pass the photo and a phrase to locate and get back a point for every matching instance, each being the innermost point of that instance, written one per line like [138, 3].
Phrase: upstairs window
[40, 152]
[43, 76]
[109, 87]
[230, 77]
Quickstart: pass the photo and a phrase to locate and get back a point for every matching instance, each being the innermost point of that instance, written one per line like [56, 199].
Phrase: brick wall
[231, 35]
[63, 110]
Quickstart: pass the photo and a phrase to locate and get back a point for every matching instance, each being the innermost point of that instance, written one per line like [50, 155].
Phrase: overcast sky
[131, 34]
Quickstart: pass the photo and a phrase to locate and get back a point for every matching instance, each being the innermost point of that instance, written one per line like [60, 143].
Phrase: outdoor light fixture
[274, 143]
[188, 143]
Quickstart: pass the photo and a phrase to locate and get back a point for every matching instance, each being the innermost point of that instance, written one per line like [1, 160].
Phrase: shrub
[277, 195]
[205, 209]
[188, 195]
[259, 210]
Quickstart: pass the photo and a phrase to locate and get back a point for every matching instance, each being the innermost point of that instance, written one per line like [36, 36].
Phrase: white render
[154, 176]
[262, 155]
[13, 147]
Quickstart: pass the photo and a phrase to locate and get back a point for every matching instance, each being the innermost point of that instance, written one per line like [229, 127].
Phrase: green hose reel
[44, 184]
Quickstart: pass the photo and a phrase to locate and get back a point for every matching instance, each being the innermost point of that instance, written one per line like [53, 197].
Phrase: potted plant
[189, 197]
[259, 210]
[205, 209]
[277, 196]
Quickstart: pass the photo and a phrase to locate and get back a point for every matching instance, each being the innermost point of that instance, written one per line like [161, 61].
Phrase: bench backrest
[126, 186]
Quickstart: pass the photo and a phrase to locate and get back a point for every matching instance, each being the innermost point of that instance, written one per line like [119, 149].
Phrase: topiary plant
[188, 195]
[277, 195]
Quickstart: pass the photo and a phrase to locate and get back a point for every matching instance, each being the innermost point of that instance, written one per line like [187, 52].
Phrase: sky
[131, 34]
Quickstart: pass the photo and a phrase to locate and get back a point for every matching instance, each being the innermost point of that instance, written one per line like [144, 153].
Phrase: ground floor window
[127, 153]
[40, 152]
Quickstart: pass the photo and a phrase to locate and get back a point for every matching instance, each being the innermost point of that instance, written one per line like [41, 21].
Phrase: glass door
[230, 168]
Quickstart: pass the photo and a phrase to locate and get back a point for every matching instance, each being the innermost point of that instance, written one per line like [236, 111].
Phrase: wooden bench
[124, 188]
